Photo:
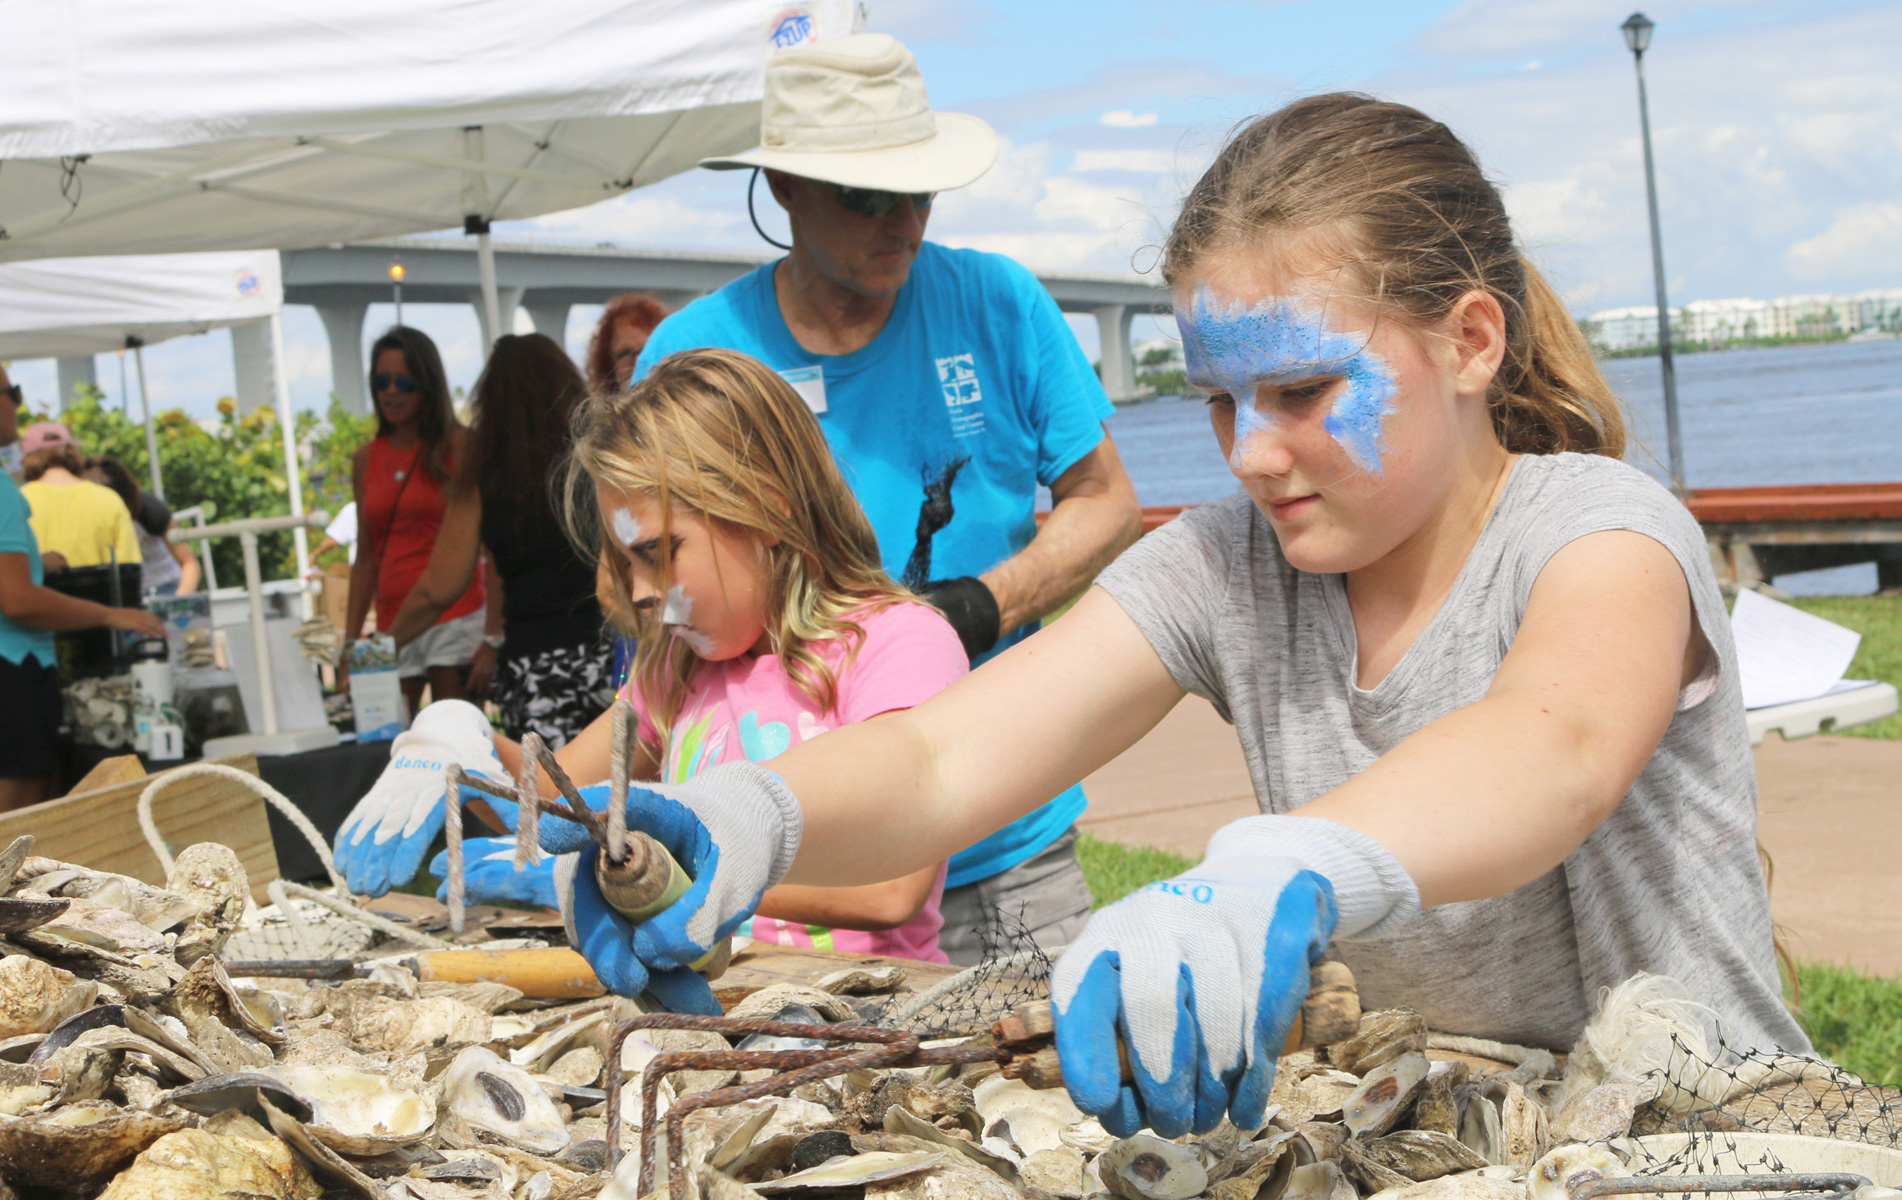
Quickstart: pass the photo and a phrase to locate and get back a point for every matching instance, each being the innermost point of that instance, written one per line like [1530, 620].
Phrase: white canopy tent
[62, 307]
[131, 127]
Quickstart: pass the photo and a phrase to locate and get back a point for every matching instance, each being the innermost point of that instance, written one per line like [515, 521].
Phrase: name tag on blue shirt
[810, 383]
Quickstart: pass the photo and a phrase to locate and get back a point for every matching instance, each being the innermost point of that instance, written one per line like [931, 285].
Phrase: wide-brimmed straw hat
[853, 111]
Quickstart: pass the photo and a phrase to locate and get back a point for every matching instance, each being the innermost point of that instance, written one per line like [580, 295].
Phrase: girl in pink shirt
[733, 551]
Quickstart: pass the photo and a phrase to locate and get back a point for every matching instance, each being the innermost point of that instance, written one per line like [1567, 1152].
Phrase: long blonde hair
[723, 435]
[1404, 206]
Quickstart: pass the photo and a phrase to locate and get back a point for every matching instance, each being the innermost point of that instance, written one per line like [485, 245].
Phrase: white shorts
[448, 644]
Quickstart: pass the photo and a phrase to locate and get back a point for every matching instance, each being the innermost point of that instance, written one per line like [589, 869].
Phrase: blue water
[1793, 414]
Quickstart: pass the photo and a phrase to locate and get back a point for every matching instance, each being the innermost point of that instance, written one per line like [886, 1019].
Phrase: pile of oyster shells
[132, 1065]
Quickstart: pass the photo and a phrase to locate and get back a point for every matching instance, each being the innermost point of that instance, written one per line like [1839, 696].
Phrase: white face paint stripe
[626, 527]
[679, 609]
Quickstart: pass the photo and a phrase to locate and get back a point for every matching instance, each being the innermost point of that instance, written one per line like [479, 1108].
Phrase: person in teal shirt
[949, 387]
[29, 616]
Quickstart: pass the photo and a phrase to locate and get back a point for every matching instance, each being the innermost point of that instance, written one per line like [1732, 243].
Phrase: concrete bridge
[546, 280]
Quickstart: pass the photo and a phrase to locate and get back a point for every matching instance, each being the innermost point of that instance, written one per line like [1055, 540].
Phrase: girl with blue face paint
[1480, 669]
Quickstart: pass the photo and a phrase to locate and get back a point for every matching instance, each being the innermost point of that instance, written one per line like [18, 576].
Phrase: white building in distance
[1714, 322]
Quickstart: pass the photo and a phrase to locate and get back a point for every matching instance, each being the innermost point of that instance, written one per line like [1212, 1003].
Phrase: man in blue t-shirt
[949, 387]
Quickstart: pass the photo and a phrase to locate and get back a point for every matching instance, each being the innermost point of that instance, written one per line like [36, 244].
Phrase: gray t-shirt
[1670, 883]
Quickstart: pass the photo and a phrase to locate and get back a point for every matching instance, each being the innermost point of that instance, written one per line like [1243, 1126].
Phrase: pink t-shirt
[748, 709]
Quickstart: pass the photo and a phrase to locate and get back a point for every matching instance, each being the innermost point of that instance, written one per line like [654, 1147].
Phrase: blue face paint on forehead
[1229, 347]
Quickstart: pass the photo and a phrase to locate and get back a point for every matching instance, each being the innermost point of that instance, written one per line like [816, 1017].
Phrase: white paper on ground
[1784, 654]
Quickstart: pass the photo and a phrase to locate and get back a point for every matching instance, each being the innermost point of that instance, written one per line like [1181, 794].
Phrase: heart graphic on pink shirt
[810, 728]
[761, 742]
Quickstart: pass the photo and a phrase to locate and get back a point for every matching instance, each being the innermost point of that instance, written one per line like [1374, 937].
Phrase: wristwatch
[494, 640]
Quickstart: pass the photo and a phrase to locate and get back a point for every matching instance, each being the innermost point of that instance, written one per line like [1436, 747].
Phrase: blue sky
[1778, 127]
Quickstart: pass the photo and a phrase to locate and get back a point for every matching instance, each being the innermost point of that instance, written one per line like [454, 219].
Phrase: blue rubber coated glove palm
[1202, 975]
[734, 828]
[382, 842]
[606, 939]
[489, 874]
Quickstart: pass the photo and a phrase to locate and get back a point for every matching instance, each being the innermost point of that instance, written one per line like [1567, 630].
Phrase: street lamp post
[1637, 29]
[396, 283]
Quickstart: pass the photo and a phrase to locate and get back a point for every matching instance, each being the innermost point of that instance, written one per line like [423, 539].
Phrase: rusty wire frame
[860, 1046]
[1820, 1185]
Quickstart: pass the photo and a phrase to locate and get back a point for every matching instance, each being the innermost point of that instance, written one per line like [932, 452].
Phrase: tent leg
[151, 435]
[293, 477]
[491, 294]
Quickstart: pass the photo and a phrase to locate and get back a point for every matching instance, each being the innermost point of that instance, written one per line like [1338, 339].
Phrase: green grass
[1879, 620]
[1854, 1019]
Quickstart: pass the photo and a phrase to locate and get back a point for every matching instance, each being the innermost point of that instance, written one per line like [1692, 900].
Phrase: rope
[528, 810]
[347, 908]
[271, 795]
[342, 903]
[1530, 1062]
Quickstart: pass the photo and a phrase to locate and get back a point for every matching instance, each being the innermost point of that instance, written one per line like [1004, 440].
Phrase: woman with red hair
[626, 323]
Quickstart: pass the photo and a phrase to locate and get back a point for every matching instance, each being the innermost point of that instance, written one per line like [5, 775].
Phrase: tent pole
[491, 299]
[145, 402]
[293, 477]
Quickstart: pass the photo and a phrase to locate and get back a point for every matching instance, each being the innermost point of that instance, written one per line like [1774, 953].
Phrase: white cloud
[1122, 118]
[1147, 161]
[1869, 234]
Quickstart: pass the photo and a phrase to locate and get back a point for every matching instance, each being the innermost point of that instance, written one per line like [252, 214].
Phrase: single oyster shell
[1467, 1185]
[541, 1053]
[1147, 1168]
[1438, 1108]
[1384, 1095]
[1421, 1155]
[1480, 1129]
[12, 857]
[194, 1164]
[1058, 1172]
[998, 1095]
[224, 1093]
[20, 913]
[1368, 1171]
[769, 1001]
[580, 1067]
[1317, 1181]
[359, 1112]
[209, 875]
[862, 981]
[1262, 1169]
[501, 1099]
[22, 1088]
[857, 1170]
[1323, 1137]
[1601, 1113]
[1522, 1124]
[956, 1178]
[158, 909]
[1304, 1092]
[899, 1119]
[78, 1147]
[104, 927]
[1383, 1037]
[1552, 1177]
[35, 996]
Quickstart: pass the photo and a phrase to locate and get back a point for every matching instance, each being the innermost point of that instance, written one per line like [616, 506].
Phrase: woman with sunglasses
[398, 481]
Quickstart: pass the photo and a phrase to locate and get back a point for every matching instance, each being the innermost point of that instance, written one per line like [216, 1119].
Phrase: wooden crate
[100, 828]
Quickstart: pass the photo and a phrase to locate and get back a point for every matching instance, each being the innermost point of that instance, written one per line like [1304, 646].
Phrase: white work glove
[382, 842]
[1204, 973]
[734, 829]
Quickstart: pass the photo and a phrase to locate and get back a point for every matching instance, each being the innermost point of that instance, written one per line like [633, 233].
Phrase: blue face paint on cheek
[1227, 347]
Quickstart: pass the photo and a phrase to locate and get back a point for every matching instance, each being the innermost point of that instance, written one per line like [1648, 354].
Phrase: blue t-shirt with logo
[17, 642]
[976, 392]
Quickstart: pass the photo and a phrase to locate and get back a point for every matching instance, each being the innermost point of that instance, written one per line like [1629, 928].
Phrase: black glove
[968, 604]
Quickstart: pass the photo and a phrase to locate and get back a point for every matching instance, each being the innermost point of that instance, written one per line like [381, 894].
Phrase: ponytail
[1550, 397]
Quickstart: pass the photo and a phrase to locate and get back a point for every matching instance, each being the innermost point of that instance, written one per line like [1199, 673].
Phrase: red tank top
[402, 510]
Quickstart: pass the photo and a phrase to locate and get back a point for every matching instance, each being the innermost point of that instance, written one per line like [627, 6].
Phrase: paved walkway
[1830, 816]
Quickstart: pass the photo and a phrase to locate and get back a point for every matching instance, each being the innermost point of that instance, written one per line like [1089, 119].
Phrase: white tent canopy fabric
[67, 307]
[130, 127]
[216, 124]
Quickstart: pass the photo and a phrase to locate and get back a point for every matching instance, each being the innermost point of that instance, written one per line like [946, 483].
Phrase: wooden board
[123, 769]
[100, 828]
